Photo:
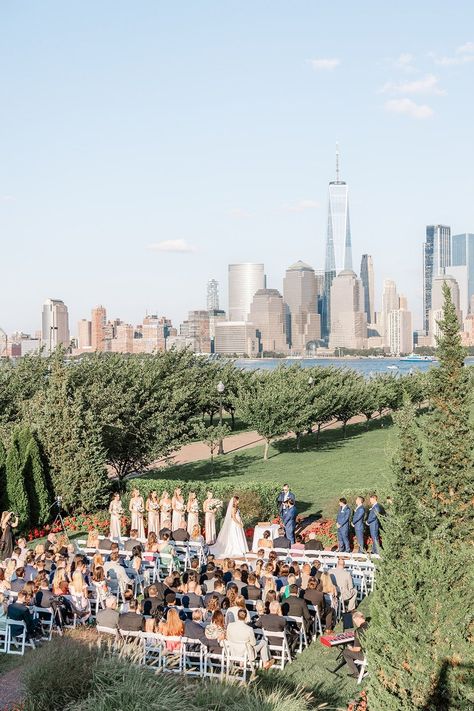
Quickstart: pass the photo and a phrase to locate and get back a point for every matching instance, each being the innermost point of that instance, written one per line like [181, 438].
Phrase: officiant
[284, 495]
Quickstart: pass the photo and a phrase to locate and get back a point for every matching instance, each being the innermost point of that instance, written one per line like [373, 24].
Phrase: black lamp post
[220, 390]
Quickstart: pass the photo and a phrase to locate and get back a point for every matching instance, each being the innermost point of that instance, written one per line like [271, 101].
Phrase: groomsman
[289, 519]
[358, 521]
[342, 523]
[283, 497]
[373, 523]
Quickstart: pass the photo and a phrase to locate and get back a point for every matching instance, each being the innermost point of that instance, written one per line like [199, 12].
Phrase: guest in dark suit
[313, 595]
[105, 544]
[252, 591]
[19, 611]
[373, 523]
[180, 535]
[342, 523]
[294, 606]
[133, 541]
[313, 544]
[358, 521]
[281, 541]
[131, 621]
[166, 529]
[194, 628]
[273, 622]
[154, 598]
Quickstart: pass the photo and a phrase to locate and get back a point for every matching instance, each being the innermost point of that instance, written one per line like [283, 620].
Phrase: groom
[289, 519]
[283, 497]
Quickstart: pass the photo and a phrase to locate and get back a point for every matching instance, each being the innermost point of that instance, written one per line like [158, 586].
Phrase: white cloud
[464, 54]
[172, 245]
[405, 62]
[302, 205]
[409, 107]
[237, 213]
[324, 63]
[427, 85]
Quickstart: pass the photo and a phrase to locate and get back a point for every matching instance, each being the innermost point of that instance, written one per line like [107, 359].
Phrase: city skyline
[156, 167]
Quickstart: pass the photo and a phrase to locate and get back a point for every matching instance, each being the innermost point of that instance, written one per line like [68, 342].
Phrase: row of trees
[420, 640]
[115, 414]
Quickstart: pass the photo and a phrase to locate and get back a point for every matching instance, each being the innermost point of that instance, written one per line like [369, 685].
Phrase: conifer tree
[418, 642]
[3, 478]
[36, 484]
[15, 484]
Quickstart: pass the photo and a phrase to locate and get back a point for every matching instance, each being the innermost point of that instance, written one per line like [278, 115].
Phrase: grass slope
[317, 475]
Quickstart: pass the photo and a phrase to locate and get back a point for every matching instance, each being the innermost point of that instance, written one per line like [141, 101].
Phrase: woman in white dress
[115, 511]
[137, 508]
[165, 508]
[209, 519]
[177, 503]
[193, 512]
[231, 541]
[153, 508]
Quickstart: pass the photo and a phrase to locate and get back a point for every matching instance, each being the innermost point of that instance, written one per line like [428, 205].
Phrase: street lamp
[310, 381]
[220, 390]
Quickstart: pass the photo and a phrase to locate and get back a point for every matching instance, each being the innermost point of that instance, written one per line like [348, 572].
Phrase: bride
[231, 541]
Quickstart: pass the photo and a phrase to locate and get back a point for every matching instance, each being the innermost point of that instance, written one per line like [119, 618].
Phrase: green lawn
[317, 475]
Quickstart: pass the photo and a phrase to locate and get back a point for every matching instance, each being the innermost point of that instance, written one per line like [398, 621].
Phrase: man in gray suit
[342, 579]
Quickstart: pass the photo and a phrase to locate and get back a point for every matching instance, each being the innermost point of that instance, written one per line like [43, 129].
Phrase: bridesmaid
[210, 519]
[193, 512]
[115, 511]
[137, 508]
[177, 503]
[165, 508]
[153, 508]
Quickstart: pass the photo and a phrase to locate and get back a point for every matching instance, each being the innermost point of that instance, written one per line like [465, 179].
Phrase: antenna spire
[337, 162]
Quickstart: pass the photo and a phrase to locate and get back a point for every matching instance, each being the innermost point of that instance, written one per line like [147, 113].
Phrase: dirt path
[10, 690]
[196, 451]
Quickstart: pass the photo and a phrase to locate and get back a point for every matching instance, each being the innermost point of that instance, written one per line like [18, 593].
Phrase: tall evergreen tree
[36, 483]
[15, 484]
[422, 611]
[3, 478]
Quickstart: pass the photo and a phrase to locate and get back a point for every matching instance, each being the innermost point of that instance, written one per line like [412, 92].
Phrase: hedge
[258, 502]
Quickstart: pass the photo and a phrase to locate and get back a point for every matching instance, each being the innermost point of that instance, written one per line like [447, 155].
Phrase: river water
[366, 366]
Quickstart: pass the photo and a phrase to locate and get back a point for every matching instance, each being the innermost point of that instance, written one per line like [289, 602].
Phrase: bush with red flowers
[359, 704]
[82, 522]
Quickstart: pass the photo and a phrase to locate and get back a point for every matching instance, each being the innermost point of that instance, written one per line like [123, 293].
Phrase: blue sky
[211, 126]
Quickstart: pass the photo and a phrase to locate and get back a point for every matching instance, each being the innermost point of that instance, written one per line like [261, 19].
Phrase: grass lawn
[317, 475]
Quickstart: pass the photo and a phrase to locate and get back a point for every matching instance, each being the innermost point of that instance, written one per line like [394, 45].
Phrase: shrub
[258, 500]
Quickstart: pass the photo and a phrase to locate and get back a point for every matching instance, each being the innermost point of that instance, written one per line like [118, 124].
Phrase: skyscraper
[55, 324]
[98, 321]
[244, 281]
[436, 257]
[84, 334]
[300, 295]
[267, 315]
[348, 319]
[367, 278]
[390, 302]
[212, 295]
[462, 253]
[338, 240]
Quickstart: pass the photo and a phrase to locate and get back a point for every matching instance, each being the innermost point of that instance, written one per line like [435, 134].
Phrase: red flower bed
[81, 522]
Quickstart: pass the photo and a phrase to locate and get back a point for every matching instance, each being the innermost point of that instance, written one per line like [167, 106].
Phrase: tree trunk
[317, 434]
[265, 451]
[367, 423]
[298, 441]
[344, 428]
[232, 416]
[211, 418]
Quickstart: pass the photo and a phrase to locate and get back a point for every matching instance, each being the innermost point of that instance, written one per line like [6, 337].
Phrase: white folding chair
[317, 625]
[302, 637]
[15, 644]
[280, 652]
[214, 664]
[362, 663]
[107, 630]
[152, 649]
[237, 662]
[193, 657]
[172, 658]
[45, 616]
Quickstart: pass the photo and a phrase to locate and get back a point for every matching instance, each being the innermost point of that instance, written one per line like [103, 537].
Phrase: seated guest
[154, 598]
[315, 570]
[196, 536]
[219, 593]
[110, 616]
[269, 597]
[342, 579]
[127, 598]
[313, 595]
[131, 621]
[285, 592]
[213, 603]
[294, 606]
[215, 632]
[305, 575]
[104, 544]
[313, 544]
[180, 535]
[93, 540]
[208, 577]
[241, 638]
[171, 626]
[194, 628]
[3, 613]
[237, 580]
[19, 610]
[266, 541]
[281, 541]
[30, 572]
[151, 545]
[44, 595]
[18, 583]
[113, 569]
[298, 545]
[50, 542]
[237, 604]
[282, 579]
[133, 541]
[191, 598]
[356, 650]
[228, 570]
[4, 583]
[252, 591]
[273, 622]
[166, 528]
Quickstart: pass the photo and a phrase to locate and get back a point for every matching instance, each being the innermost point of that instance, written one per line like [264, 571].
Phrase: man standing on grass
[358, 522]
[284, 495]
[342, 523]
[373, 523]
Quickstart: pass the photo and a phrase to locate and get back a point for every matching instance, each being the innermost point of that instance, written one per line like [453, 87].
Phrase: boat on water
[417, 358]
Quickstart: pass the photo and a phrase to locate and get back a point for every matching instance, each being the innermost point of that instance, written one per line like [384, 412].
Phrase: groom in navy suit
[342, 523]
[289, 519]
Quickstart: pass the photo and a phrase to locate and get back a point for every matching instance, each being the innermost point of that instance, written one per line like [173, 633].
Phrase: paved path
[196, 451]
[10, 690]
